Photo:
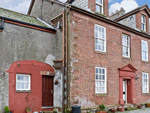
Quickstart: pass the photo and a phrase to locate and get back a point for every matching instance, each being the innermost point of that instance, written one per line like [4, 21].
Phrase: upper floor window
[145, 83]
[125, 45]
[99, 6]
[100, 80]
[144, 50]
[100, 38]
[143, 21]
[23, 82]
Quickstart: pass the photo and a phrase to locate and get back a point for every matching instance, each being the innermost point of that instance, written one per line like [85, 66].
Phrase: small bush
[6, 109]
[102, 107]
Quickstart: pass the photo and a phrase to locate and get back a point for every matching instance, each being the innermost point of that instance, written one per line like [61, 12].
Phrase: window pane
[26, 86]
[22, 85]
[96, 70]
[18, 85]
[18, 77]
[96, 76]
[97, 8]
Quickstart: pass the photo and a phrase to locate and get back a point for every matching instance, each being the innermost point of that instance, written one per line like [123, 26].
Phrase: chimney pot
[116, 11]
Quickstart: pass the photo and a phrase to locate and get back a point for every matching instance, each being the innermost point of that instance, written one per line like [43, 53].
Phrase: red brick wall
[84, 59]
[92, 6]
[138, 20]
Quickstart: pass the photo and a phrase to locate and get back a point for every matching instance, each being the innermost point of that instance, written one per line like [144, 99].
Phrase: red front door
[47, 91]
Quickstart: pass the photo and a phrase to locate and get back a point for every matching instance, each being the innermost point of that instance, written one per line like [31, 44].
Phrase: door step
[47, 111]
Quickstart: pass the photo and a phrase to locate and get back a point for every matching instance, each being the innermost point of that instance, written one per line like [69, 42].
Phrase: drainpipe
[41, 8]
[2, 26]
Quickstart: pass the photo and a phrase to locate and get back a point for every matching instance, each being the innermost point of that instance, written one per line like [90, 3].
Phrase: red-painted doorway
[47, 91]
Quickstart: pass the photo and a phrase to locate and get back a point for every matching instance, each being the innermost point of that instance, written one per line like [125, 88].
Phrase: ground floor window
[23, 82]
[100, 80]
[145, 83]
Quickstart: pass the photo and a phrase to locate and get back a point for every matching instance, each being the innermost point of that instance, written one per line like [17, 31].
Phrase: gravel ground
[145, 110]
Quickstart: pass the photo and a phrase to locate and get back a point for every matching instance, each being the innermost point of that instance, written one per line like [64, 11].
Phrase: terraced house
[107, 57]
[93, 58]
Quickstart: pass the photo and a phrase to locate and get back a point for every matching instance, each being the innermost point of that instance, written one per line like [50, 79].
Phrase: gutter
[48, 25]
[101, 18]
[25, 24]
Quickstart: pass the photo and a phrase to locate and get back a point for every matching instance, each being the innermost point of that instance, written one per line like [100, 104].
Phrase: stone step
[47, 111]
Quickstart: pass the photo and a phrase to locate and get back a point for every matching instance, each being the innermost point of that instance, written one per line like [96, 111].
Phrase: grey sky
[21, 6]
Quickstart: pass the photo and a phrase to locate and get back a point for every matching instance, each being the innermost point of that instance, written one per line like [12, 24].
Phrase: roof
[102, 18]
[143, 7]
[20, 17]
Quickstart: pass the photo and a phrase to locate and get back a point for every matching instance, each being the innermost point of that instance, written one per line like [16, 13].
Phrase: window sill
[126, 58]
[145, 94]
[101, 94]
[100, 52]
[23, 91]
[144, 61]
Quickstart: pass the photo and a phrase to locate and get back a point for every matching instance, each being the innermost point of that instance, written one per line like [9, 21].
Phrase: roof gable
[144, 7]
[128, 67]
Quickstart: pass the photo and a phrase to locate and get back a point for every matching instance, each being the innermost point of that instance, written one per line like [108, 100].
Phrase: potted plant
[28, 110]
[140, 106]
[121, 108]
[54, 111]
[102, 109]
[112, 110]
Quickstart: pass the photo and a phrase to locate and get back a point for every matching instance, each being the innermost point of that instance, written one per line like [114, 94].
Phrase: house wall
[84, 59]
[138, 21]
[21, 43]
[50, 11]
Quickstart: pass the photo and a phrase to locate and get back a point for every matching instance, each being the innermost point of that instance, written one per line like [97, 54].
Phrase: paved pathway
[145, 110]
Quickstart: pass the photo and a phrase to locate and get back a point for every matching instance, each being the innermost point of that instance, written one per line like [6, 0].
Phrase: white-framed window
[145, 83]
[143, 21]
[100, 80]
[99, 6]
[144, 50]
[23, 82]
[125, 45]
[100, 38]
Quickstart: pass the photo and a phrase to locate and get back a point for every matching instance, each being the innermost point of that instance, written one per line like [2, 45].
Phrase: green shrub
[102, 107]
[6, 109]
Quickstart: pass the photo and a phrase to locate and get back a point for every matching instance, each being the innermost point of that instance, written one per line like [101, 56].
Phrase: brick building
[103, 59]
[107, 57]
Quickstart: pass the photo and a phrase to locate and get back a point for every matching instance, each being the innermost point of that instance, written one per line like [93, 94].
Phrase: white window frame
[99, 37]
[143, 82]
[143, 18]
[97, 80]
[29, 82]
[99, 4]
[144, 50]
[126, 46]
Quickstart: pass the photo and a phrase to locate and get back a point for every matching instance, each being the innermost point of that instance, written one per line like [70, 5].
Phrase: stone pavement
[145, 110]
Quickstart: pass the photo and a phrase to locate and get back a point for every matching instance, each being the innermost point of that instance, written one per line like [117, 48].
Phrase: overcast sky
[22, 6]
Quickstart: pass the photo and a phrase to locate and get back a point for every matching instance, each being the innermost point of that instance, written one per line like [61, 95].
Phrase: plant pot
[140, 106]
[28, 111]
[121, 109]
[112, 110]
[148, 104]
[103, 111]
